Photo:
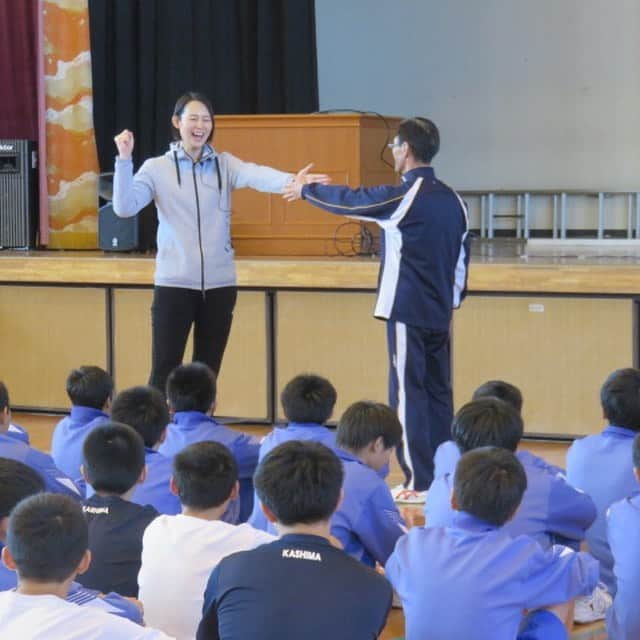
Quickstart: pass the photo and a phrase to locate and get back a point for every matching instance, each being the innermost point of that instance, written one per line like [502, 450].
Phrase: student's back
[307, 401]
[602, 464]
[191, 392]
[551, 511]
[55, 480]
[183, 550]
[144, 409]
[367, 522]
[472, 579]
[113, 465]
[623, 535]
[48, 617]
[321, 593]
[89, 389]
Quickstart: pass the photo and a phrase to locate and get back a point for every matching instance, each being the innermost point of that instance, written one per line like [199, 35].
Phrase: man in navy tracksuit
[425, 257]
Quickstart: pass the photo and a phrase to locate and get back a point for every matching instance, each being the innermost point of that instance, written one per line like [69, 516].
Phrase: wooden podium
[348, 147]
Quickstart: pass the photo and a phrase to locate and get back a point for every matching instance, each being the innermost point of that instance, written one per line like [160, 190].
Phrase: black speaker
[18, 194]
[114, 233]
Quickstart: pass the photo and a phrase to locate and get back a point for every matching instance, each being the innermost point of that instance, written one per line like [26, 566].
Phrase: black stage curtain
[247, 56]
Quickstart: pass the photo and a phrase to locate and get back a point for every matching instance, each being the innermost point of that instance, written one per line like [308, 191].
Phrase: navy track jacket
[425, 244]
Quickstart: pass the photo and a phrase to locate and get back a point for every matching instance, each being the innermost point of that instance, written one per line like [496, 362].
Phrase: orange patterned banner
[72, 162]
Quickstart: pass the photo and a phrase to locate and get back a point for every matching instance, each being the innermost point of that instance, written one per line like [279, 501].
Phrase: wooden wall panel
[242, 389]
[334, 335]
[558, 351]
[44, 333]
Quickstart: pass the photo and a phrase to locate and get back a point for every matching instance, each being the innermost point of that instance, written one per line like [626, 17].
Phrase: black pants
[173, 312]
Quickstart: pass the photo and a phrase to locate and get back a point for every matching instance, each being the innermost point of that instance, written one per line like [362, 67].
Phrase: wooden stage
[553, 320]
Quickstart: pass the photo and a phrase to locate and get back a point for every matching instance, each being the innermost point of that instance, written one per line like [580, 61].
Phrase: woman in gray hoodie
[195, 278]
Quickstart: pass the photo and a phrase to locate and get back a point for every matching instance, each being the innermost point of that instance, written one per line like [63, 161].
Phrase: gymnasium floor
[40, 427]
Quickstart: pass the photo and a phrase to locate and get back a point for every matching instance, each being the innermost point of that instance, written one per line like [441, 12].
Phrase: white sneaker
[592, 607]
[408, 496]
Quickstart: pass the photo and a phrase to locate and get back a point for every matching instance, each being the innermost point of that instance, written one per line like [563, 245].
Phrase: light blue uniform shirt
[305, 431]
[367, 523]
[623, 530]
[602, 466]
[68, 438]
[473, 580]
[551, 511]
[55, 481]
[194, 426]
[18, 432]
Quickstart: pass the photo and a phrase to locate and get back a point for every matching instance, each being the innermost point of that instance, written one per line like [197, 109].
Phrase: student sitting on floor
[191, 392]
[602, 464]
[145, 410]
[472, 579]
[448, 454]
[6, 426]
[307, 402]
[17, 482]
[552, 511]
[113, 466]
[15, 448]
[47, 546]
[623, 535]
[367, 523]
[182, 550]
[299, 586]
[89, 389]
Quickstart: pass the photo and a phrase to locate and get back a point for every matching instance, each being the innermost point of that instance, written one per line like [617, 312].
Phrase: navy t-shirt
[116, 527]
[296, 587]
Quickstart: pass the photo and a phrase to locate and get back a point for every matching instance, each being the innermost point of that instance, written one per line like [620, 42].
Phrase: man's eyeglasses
[393, 144]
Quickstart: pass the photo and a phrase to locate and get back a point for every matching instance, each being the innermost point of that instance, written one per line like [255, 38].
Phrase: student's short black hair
[191, 387]
[143, 408]
[89, 386]
[205, 473]
[500, 389]
[308, 398]
[364, 422]
[636, 453]
[620, 398]
[487, 422]
[47, 537]
[17, 481]
[300, 482]
[489, 483]
[422, 136]
[4, 397]
[113, 456]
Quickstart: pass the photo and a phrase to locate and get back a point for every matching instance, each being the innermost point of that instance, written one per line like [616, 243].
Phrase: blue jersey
[446, 459]
[623, 531]
[425, 250]
[308, 432]
[55, 481]
[68, 438]
[194, 426]
[551, 511]
[602, 465]
[473, 580]
[367, 523]
[18, 432]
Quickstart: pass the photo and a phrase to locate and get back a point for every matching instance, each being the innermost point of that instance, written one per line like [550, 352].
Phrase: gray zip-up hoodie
[194, 211]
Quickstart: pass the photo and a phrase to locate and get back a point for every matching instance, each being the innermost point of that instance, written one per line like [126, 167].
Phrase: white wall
[527, 93]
